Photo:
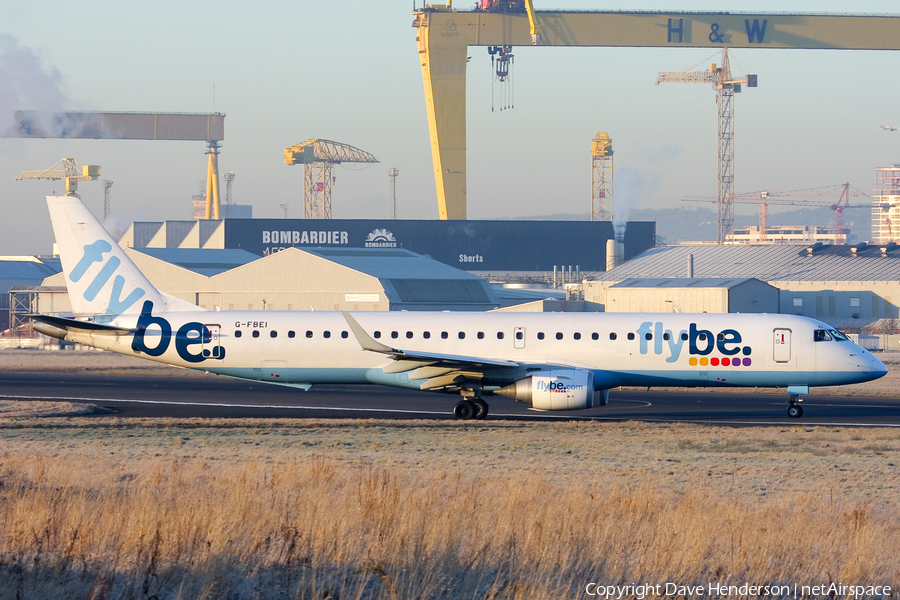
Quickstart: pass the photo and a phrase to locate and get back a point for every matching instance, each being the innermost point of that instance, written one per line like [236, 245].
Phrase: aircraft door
[211, 339]
[519, 337]
[782, 346]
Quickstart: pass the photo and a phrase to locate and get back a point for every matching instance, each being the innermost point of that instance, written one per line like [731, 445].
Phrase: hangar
[855, 288]
[309, 279]
[19, 271]
[721, 295]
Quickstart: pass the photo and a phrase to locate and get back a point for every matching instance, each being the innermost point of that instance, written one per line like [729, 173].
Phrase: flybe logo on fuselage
[93, 253]
[188, 335]
[700, 342]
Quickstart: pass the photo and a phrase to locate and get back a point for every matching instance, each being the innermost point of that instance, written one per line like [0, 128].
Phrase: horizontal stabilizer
[74, 324]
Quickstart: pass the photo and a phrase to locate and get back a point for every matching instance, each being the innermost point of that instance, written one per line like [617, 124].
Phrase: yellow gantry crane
[68, 169]
[318, 157]
[444, 35]
[726, 87]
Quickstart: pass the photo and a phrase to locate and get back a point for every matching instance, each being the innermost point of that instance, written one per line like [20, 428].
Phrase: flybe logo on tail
[188, 335]
[93, 253]
[700, 342]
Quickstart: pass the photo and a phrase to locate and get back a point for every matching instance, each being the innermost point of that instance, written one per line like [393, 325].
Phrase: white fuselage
[298, 348]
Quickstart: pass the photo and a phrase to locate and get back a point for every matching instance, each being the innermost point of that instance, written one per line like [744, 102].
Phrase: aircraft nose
[877, 368]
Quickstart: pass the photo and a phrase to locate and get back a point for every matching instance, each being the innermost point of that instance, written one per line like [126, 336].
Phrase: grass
[112, 508]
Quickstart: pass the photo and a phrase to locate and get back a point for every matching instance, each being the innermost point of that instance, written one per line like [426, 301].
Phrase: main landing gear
[794, 410]
[474, 409]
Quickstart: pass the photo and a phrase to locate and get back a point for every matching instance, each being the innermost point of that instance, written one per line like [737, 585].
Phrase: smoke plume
[26, 84]
[627, 193]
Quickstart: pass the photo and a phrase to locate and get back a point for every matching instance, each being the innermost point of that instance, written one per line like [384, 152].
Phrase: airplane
[887, 128]
[548, 361]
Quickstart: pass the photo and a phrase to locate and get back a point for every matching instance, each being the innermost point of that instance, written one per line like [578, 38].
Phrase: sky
[348, 70]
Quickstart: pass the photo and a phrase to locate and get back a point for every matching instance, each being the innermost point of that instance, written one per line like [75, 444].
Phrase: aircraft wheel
[464, 410]
[481, 409]
[795, 411]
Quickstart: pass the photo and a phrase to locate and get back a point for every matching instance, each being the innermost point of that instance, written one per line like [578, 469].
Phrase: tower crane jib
[318, 157]
[726, 87]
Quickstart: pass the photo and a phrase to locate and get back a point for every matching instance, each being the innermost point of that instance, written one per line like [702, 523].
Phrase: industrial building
[855, 288]
[692, 295]
[22, 271]
[886, 205]
[310, 279]
[498, 246]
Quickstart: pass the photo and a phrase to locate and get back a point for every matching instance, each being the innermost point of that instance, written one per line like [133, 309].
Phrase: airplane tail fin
[102, 280]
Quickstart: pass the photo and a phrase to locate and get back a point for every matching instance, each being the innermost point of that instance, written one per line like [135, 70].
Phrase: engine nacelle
[571, 389]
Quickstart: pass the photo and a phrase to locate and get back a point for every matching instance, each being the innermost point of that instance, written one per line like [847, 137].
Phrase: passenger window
[540, 335]
[326, 334]
[499, 335]
[576, 335]
[426, 334]
[255, 333]
[273, 333]
[345, 335]
[409, 335]
[309, 334]
[702, 337]
[238, 333]
[462, 335]
[721, 337]
[630, 336]
[612, 336]
[480, 335]
[666, 336]
[291, 334]
[376, 334]
[444, 335]
[648, 336]
[394, 335]
[559, 335]
[684, 336]
[595, 336]
[519, 335]
[820, 335]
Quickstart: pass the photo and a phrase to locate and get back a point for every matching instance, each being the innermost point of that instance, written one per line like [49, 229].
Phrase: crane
[317, 157]
[68, 169]
[601, 177]
[805, 197]
[726, 87]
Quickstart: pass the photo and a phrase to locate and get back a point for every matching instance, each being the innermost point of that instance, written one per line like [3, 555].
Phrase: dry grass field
[115, 508]
[109, 508]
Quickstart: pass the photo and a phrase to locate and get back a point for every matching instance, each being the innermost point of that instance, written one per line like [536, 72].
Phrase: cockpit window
[820, 335]
[841, 337]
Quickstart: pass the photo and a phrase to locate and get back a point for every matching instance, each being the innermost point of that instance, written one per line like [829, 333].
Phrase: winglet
[364, 339]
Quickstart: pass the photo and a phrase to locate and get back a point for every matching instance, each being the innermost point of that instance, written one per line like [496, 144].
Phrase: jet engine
[571, 389]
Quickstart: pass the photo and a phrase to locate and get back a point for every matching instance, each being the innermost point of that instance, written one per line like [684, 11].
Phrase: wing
[440, 371]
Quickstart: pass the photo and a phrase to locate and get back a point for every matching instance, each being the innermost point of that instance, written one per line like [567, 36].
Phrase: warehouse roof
[204, 262]
[682, 282]
[402, 264]
[766, 262]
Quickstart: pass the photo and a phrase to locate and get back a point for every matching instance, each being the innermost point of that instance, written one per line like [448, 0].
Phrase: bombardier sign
[470, 245]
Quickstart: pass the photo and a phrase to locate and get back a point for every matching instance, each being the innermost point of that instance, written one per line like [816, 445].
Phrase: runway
[220, 397]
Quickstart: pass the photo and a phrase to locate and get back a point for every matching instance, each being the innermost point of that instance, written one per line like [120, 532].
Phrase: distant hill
[699, 223]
